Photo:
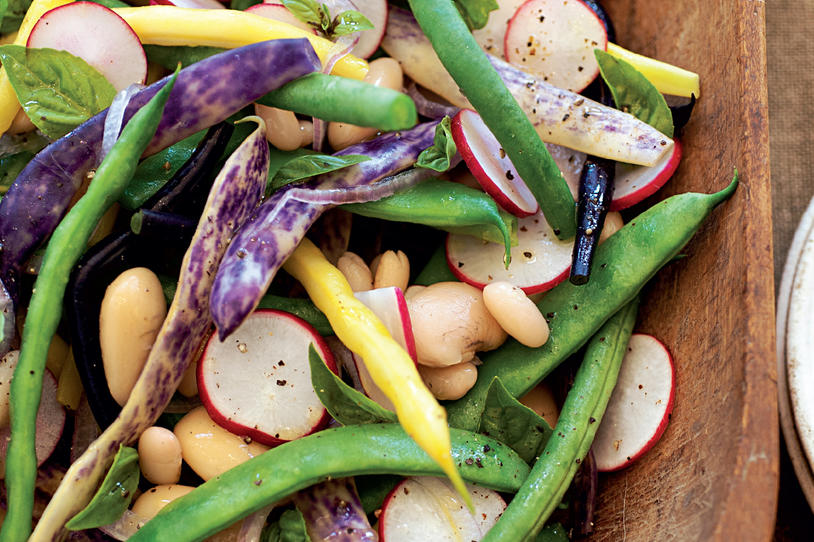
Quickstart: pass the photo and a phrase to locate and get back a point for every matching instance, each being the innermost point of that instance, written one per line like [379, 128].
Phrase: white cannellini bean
[208, 448]
[384, 72]
[356, 271]
[413, 290]
[282, 127]
[306, 133]
[451, 323]
[159, 455]
[132, 312]
[516, 313]
[154, 499]
[392, 269]
[613, 223]
[449, 383]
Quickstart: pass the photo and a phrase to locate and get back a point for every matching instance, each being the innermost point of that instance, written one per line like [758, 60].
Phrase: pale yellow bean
[208, 448]
[413, 290]
[451, 323]
[613, 223]
[7, 365]
[393, 269]
[159, 455]
[541, 400]
[282, 127]
[154, 499]
[306, 133]
[449, 383]
[516, 313]
[21, 124]
[356, 271]
[189, 382]
[384, 72]
[132, 312]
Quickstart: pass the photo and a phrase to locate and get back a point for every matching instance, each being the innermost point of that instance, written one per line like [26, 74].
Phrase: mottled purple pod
[237, 190]
[332, 511]
[276, 228]
[205, 93]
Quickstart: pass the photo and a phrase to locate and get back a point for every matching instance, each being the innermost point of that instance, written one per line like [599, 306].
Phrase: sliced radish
[492, 36]
[556, 40]
[191, 4]
[376, 13]
[430, 510]
[98, 36]
[389, 306]
[570, 163]
[258, 382]
[488, 162]
[540, 261]
[635, 183]
[640, 406]
[279, 12]
[50, 423]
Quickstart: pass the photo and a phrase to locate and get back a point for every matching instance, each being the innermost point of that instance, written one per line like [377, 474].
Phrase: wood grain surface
[714, 474]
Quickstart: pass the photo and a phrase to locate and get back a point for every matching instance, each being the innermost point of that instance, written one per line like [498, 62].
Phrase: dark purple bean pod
[158, 227]
[276, 228]
[117, 252]
[205, 93]
[237, 190]
[682, 114]
[583, 497]
[333, 512]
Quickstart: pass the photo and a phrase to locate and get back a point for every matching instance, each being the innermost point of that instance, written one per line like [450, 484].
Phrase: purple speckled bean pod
[205, 93]
[237, 190]
[276, 228]
[333, 512]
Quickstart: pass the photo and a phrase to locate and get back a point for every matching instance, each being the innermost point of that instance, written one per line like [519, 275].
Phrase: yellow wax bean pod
[668, 79]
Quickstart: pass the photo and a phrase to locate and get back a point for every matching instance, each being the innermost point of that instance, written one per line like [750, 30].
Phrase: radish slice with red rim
[429, 509]
[556, 40]
[257, 383]
[376, 13]
[279, 12]
[98, 36]
[639, 407]
[540, 261]
[490, 165]
[389, 306]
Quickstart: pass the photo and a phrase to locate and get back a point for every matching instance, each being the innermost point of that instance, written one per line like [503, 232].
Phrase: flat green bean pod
[333, 453]
[622, 266]
[572, 438]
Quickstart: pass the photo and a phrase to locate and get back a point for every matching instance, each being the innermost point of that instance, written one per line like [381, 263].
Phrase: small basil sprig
[114, 494]
[11, 14]
[319, 16]
[345, 404]
[304, 167]
[58, 90]
[475, 13]
[289, 528]
[439, 156]
[634, 93]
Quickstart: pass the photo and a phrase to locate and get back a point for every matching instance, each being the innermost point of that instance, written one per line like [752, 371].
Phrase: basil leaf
[114, 494]
[13, 14]
[634, 94]
[508, 420]
[58, 90]
[170, 55]
[553, 532]
[112, 4]
[349, 22]
[308, 11]
[475, 12]
[289, 528]
[325, 18]
[439, 156]
[10, 167]
[242, 5]
[304, 167]
[345, 404]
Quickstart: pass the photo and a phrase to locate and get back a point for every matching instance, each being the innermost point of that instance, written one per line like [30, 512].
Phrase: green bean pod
[470, 68]
[45, 310]
[572, 438]
[333, 453]
[447, 206]
[622, 266]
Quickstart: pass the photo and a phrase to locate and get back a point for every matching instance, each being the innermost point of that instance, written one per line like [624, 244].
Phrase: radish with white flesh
[492, 37]
[540, 261]
[192, 4]
[389, 306]
[490, 165]
[640, 406]
[98, 36]
[376, 13]
[559, 116]
[50, 423]
[265, 358]
[556, 40]
[632, 184]
[429, 509]
[278, 12]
